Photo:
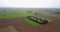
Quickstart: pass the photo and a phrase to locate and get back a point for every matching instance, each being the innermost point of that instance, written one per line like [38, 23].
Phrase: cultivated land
[22, 26]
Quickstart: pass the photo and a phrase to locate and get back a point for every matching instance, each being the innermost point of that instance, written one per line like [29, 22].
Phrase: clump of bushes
[35, 19]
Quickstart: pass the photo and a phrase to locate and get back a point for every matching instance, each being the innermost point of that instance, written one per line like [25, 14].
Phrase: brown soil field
[21, 26]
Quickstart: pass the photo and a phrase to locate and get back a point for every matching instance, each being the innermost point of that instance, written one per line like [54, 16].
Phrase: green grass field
[20, 14]
[36, 24]
[31, 22]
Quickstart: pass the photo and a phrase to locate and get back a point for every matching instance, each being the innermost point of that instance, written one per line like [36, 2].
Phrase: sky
[30, 3]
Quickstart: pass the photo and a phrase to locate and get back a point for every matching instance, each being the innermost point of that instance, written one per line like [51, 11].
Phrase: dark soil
[22, 26]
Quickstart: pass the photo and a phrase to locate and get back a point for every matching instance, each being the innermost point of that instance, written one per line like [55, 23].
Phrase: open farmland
[21, 24]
